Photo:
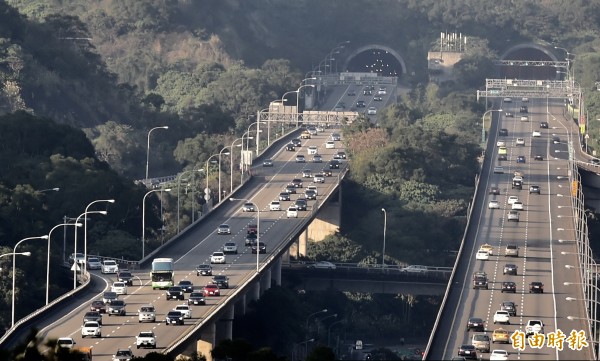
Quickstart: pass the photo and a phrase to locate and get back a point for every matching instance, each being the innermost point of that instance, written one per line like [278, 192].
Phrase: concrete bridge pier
[207, 339]
[224, 329]
[240, 306]
[254, 292]
[276, 272]
[265, 281]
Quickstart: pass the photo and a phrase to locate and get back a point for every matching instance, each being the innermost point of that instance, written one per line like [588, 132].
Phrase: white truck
[145, 339]
[534, 326]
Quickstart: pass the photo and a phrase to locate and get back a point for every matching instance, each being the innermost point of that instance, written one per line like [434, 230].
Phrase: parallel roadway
[545, 219]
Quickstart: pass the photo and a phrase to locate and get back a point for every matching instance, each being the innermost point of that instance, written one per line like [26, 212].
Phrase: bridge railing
[179, 344]
[451, 282]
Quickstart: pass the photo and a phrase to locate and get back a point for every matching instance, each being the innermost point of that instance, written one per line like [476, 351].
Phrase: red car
[211, 289]
[98, 306]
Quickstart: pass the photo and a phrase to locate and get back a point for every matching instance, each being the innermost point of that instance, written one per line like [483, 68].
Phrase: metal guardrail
[54, 304]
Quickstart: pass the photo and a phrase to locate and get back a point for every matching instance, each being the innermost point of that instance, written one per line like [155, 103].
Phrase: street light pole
[144, 218]
[76, 263]
[226, 153]
[14, 254]
[206, 190]
[384, 230]
[242, 163]
[307, 329]
[257, 228]
[483, 125]
[231, 162]
[48, 260]
[148, 148]
[85, 227]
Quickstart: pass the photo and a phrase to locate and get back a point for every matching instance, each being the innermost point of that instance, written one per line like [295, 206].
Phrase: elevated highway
[195, 246]
[545, 235]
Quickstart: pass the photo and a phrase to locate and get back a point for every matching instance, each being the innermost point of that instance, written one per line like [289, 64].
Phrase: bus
[162, 273]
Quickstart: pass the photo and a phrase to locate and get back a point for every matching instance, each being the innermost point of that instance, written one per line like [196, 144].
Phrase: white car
[500, 143]
[185, 310]
[319, 178]
[372, 111]
[482, 255]
[93, 263]
[307, 173]
[499, 355]
[493, 204]
[109, 266]
[537, 134]
[508, 100]
[525, 100]
[524, 118]
[512, 199]
[119, 288]
[217, 257]
[312, 150]
[520, 141]
[330, 144]
[323, 265]
[292, 212]
[517, 205]
[275, 206]
[92, 329]
[65, 342]
[502, 317]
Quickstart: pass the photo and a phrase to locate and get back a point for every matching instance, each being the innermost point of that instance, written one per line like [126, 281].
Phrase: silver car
[224, 229]
[513, 216]
[248, 207]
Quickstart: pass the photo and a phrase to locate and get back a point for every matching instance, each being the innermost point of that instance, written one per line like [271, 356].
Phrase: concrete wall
[441, 64]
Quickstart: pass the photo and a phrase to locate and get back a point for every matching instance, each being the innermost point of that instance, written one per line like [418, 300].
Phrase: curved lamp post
[231, 162]
[242, 164]
[48, 261]
[76, 264]
[226, 153]
[144, 218]
[308, 318]
[297, 91]
[14, 270]
[148, 148]
[85, 226]
[207, 164]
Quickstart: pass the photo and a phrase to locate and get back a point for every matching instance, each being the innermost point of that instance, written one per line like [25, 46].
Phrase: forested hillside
[82, 82]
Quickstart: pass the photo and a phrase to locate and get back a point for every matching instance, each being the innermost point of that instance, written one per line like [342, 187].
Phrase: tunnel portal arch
[376, 58]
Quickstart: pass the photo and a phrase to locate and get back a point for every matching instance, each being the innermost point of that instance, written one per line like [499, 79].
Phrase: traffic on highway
[188, 280]
[510, 286]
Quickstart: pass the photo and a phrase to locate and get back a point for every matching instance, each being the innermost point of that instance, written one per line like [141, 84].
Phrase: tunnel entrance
[376, 59]
[529, 53]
